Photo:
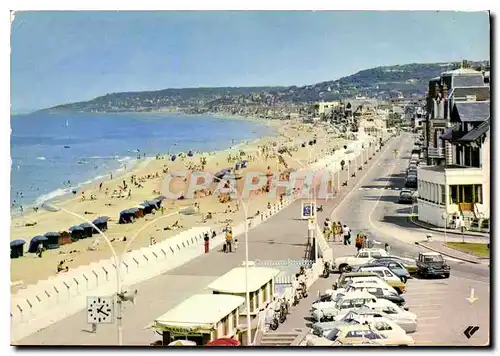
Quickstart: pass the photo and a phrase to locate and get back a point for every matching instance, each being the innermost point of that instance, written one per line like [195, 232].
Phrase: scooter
[296, 298]
[326, 269]
[282, 315]
[303, 290]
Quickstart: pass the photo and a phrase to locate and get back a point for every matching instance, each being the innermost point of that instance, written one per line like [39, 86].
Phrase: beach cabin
[87, 228]
[148, 207]
[53, 240]
[17, 248]
[260, 286]
[65, 238]
[202, 318]
[101, 223]
[77, 232]
[140, 212]
[35, 241]
[128, 216]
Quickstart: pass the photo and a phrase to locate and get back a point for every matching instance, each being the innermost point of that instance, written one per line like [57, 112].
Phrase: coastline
[30, 269]
[132, 165]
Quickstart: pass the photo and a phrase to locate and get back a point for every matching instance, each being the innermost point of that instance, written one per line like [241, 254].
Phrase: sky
[61, 57]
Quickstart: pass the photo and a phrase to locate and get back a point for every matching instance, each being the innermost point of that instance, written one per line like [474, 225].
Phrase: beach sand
[29, 268]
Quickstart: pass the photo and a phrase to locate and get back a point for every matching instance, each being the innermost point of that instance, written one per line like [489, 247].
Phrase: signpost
[308, 210]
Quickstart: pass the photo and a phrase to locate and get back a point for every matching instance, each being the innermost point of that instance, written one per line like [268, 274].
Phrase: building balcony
[452, 175]
[435, 152]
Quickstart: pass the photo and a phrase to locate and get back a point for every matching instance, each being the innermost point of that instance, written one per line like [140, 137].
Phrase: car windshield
[406, 192]
[332, 335]
[433, 258]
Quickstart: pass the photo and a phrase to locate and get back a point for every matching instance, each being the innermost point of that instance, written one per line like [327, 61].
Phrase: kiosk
[202, 318]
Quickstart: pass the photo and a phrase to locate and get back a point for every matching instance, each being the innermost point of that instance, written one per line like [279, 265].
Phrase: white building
[461, 186]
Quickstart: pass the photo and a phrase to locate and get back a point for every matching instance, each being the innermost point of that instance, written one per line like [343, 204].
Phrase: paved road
[441, 306]
[282, 237]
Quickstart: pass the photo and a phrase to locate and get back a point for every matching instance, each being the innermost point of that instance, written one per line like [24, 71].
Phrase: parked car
[411, 181]
[352, 300]
[395, 267]
[432, 264]
[345, 264]
[355, 334]
[405, 319]
[405, 197]
[368, 276]
[387, 275]
[382, 293]
[407, 263]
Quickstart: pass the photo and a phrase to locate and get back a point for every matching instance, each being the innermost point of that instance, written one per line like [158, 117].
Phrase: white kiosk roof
[234, 280]
[200, 311]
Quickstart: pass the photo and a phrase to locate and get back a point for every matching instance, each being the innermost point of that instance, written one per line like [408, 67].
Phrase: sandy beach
[150, 175]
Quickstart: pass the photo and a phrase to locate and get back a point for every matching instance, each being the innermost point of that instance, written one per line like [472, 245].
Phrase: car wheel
[404, 279]
[447, 275]
[344, 268]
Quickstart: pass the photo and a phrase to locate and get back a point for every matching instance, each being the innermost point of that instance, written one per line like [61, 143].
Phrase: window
[376, 255]
[388, 273]
[363, 255]
[390, 310]
[235, 319]
[380, 273]
[443, 194]
[478, 194]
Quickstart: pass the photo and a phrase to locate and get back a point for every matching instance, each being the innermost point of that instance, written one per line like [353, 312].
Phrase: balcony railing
[435, 152]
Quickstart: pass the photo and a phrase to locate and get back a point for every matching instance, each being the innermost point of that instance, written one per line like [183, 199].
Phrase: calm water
[103, 143]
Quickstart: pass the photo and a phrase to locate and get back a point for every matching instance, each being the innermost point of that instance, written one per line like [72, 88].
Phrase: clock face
[100, 310]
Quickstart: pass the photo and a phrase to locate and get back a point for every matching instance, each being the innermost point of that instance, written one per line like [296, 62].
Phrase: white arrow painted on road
[472, 298]
[377, 242]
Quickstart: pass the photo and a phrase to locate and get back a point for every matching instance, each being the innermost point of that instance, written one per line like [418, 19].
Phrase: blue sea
[53, 154]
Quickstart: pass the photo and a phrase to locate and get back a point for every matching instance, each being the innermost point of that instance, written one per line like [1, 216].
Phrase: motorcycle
[296, 298]
[274, 323]
[303, 290]
[326, 269]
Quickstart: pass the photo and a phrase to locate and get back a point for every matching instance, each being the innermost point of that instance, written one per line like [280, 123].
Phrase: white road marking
[419, 319]
[416, 306]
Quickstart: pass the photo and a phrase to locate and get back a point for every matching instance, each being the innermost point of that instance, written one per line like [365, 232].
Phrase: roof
[476, 132]
[468, 80]
[430, 253]
[234, 280]
[200, 311]
[460, 71]
[472, 111]
[448, 134]
[480, 92]
[358, 294]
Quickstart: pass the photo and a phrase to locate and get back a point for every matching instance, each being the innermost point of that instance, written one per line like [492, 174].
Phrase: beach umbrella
[190, 153]
[224, 342]
[16, 248]
[16, 243]
[35, 241]
[76, 228]
[173, 157]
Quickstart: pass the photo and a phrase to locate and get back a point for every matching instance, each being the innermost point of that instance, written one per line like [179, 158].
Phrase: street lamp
[444, 216]
[247, 292]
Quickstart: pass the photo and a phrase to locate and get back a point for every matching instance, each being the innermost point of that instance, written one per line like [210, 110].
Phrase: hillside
[380, 82]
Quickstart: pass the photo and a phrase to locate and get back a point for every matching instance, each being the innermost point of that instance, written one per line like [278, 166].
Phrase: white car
[385, 273]
[406, 320]
[328, 310]
[365, 255]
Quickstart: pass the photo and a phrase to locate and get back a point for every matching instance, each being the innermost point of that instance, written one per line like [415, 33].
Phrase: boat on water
[82, 162]
[67, 146]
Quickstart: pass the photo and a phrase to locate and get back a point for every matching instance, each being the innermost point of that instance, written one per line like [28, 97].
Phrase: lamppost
[444, 216]
[118, 259]
[247, 292]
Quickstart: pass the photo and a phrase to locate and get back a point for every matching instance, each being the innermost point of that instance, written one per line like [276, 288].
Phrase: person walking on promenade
[359, 241]
[340, 231]
[387, 248]
[347, 235]
[229, 240]
[207, 242]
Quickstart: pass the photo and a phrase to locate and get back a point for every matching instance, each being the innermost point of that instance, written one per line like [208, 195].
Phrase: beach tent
[190, 153]
[173, 157]
[220, 174]
[65, 238]
[128, 215]
[77, 233]
[53, 239]
[147, 207]
[88, 228]
[17, 248]
[244, 163]
[101, 223]
[158, 200]
[37, 240]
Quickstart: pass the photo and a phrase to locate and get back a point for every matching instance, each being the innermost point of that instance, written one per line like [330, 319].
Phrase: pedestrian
[347, 235]
[340, 231]
[235, 244]
[129, 194]
[39, 250]
[106, 192]
[94, 328]
[359, 241]
[387, 248]
[229, 240]
[100, 186]
[206, 238]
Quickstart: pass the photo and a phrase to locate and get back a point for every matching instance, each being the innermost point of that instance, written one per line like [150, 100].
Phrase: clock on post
[100, 310]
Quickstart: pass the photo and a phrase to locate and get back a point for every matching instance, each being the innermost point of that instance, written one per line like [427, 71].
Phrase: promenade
[282, 237]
